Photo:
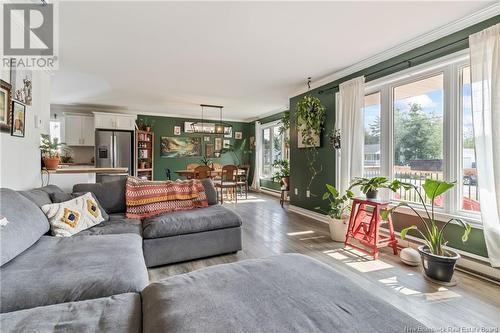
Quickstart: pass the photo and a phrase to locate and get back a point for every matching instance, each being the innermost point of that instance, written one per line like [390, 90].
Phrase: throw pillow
[59, 197]
[70, 217]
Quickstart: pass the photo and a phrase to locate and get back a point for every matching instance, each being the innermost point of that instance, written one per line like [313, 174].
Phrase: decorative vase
[51, 163]
[372, 194]
[338, 229]
[436, 267]
[410, 256]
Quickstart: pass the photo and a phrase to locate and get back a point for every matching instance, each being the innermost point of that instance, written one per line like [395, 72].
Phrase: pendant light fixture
[200, 127]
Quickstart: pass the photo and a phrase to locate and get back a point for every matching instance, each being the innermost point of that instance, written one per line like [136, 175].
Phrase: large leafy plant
[282, 168]
[433, 234]
[338, 205]
[51, 148]
[311, 115]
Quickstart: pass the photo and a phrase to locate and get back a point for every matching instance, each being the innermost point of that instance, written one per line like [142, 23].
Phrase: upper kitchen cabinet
[79, 130]
[114, 121]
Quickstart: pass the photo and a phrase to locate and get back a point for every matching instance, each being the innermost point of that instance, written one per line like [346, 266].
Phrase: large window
[272, 148]
[418, 125]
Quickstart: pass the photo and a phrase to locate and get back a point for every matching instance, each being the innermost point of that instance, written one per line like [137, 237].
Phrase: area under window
[272, 148]
[418, 134]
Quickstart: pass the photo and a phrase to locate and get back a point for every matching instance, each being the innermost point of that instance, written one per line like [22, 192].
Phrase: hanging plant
[311, 115]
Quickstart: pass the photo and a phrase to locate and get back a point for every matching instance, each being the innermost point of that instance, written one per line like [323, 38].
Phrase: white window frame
[450, 66]
[283, 145]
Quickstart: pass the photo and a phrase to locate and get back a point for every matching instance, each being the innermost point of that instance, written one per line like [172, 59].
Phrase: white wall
[20, 157]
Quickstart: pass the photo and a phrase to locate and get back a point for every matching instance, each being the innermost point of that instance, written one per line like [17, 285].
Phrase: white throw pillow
[72, 216]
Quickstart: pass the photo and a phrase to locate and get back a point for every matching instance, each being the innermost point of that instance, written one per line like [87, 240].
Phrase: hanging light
[219, 127]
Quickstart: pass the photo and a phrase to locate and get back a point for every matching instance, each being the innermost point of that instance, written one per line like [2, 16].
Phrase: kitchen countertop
[89, 169]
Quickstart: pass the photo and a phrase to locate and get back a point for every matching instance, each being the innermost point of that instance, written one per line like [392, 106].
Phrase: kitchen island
[67, 176]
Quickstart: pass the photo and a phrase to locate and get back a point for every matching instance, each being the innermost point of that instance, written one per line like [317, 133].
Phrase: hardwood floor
[269, 229]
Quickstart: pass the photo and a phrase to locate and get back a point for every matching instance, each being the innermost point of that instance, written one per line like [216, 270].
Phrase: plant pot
[372, 194]
[51, 163]
[338, 229]
[436, 267]
[148, 129]
[286, 181]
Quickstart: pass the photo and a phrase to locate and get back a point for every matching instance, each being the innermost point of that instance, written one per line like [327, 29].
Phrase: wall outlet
[296, 191]
[308, 193]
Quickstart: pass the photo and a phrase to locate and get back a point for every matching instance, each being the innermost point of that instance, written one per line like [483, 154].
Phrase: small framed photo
[228, 131]
[207, 139]
[5, 106]
[18, 119]
[177, 130]
[218, 144]
[227, 144]
[209, 150]
[238, 135]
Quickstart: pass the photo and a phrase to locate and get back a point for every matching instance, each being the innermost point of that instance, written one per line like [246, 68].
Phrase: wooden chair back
[192, 166]
[229, 173]
[202, 172]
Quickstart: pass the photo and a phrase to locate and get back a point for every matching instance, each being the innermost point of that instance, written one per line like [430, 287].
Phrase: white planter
[338, 229]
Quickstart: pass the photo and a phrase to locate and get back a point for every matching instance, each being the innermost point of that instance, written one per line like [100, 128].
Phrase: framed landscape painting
[5, 106]
[180, 146]
[18, 119]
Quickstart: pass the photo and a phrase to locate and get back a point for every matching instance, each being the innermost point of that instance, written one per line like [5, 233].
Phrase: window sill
[440, 215]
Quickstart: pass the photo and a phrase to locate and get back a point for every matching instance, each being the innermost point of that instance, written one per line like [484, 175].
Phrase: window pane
[267, 153]
[418, 134]
[470, 196]
[371, 111]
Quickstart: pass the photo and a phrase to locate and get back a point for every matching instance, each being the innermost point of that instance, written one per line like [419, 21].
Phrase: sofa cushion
[286, 293]
[66, 269]
[116, 224]
[210, 191]
[119, 313]
[111, 195]
[27, 224]
[190, 221]
[59, 197]
[41, 196]
[70, 217]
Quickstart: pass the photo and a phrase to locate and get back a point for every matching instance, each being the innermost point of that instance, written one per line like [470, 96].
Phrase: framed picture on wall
[177, 130]
[180, 146]
[209, 150]
[227, 144]
[218, 144]
[238, 135]
[5, 106]
[18, 119]
[22, 85]
[207, 139]
[228, 131]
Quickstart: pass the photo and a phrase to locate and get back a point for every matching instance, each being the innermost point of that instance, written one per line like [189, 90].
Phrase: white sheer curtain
[485, 76]
[258, 157]
[349, 120]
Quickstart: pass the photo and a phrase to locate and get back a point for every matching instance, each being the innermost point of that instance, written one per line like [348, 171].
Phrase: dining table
[214, 173]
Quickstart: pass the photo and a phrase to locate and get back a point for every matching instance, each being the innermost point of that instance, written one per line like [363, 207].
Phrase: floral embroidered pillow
[72, 216]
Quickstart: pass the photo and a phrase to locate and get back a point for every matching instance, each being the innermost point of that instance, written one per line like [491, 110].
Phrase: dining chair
[243, 179]
[202, 172]
[218, 167]
[228, 181]
[191, 167]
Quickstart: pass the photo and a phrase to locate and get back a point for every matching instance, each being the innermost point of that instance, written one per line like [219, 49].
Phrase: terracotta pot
[338, 229]
[51, 163]
[148, 129]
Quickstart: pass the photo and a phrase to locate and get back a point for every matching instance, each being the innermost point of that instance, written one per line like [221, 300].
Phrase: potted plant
[439, 263]
[50, 149]
[282, 172]
[205, 160]
[370, 186]
[338, 209]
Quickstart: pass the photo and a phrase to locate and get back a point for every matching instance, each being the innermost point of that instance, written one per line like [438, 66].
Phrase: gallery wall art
[171, 147]
[22, 85]
[5, 106]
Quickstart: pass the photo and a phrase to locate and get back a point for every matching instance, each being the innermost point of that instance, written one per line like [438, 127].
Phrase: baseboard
[469, 262]
[270, 192]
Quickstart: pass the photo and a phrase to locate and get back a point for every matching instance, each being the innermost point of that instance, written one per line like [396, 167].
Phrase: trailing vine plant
[284, 127]
[311, 115]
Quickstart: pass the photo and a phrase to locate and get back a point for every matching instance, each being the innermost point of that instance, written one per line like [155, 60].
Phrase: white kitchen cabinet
[79, 130]
[114, 121]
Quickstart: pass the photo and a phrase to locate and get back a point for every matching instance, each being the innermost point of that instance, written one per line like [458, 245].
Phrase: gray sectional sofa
[97, 280]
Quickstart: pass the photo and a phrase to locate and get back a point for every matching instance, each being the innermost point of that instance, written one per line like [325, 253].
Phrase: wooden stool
[364, 227]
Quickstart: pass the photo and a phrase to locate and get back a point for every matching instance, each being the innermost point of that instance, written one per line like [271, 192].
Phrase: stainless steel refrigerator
[114, 149]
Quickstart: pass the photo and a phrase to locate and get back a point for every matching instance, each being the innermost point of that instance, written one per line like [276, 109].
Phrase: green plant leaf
[468, 229]
[434, 188]
[405, 231]
[384, 213]
[332, 190]
[326, 195]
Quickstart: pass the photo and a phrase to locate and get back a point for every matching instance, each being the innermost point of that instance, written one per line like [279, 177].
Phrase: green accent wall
[299, 174]
[164, 126]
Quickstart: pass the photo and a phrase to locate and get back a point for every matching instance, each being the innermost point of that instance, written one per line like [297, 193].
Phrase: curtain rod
[408, 62]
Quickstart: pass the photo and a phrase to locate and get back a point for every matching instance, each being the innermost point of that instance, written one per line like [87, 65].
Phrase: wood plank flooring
[269, 229]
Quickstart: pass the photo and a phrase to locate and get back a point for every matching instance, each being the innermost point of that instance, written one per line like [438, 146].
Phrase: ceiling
[169, 57]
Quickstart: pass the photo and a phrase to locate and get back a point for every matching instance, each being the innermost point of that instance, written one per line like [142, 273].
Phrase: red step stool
[364, 227]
